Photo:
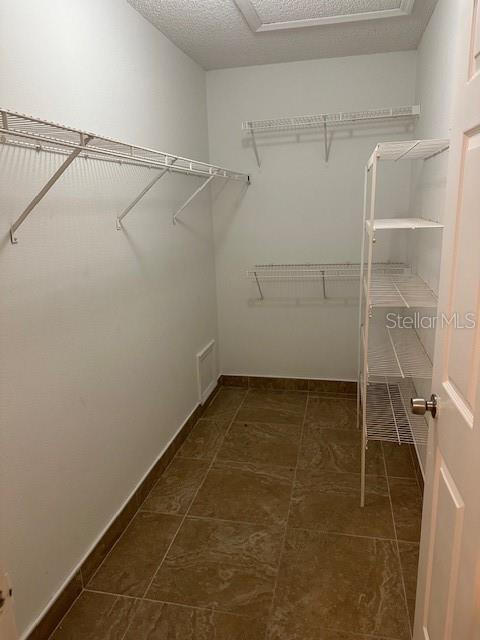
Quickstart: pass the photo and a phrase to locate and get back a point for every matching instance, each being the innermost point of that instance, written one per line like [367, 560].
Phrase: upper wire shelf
[403, 223]
[54, 136]
[409, 150]
[318, 120]
[34, 133]
[326, 120]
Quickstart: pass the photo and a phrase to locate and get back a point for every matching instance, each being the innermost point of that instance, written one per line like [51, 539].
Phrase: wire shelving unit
[390, 359]
[27, 132]
[324, 121]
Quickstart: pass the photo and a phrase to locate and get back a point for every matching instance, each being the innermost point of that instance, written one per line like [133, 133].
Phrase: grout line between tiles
[176, 604]
[111, 593]
[193, 606]
[398, 548]
[168, 602]
[282, 547]
[139, 507]
[416, 468]
[234, 465]
[229, 521]
[273, 524]
[121, 536]
[183, 518]
[353, 634]
[191, 502]
[65, 614]
[113, 605]
[84, 588]
[340, 533]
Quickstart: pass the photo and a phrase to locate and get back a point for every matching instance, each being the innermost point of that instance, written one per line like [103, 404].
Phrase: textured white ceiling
[216, 35]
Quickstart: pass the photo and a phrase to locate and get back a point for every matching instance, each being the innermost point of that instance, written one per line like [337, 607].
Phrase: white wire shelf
[396, 353]
[318, 271]
[34, 133]
[326, 120]
[267, 276]
[45, 134]
[318, 120]
[409, 150]
[402, 223]
[388, 416]
[399, 290]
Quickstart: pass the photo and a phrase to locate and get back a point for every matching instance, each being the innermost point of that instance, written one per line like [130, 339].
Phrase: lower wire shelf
[387, 413]
[396, 353]
[320, 281]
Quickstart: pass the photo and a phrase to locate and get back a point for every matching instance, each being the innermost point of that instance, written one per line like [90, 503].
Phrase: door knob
[420, 406]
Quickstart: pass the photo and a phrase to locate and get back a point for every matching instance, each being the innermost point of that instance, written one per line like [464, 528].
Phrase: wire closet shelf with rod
[28, 132]
[391, 359]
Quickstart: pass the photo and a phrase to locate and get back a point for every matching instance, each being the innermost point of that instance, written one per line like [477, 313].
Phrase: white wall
[98, 328]
[436, 67]
[299, 209]
[434, 90]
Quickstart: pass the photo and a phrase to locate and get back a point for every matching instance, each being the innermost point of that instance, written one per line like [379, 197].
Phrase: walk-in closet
[238, 333]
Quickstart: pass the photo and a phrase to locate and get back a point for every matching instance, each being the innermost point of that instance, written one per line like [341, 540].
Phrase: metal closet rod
[85, 144]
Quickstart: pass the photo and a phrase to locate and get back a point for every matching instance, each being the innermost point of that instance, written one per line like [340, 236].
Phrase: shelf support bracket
[437, 153]
[254, 144]
[258, 285]
[141, 194]
[325, 137]
[84, 140]
[194, 195]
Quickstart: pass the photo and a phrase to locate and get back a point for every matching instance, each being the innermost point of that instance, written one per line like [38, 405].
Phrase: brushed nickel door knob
[420, 406]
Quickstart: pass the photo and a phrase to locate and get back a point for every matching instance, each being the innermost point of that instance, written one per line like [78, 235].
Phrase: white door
[7, 620]
[448, 596]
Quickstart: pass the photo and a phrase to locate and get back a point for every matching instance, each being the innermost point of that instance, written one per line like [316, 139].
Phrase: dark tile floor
[254, 532]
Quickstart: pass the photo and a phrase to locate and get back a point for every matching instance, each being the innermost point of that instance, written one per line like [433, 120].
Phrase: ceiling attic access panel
[269, 15]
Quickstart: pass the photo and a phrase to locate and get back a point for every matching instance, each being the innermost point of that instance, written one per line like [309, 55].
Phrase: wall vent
[206, 371]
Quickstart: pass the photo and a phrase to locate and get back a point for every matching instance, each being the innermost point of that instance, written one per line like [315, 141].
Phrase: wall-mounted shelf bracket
[141, 194]
[254, 143]
[84, 140]
[193, 196]
[258, 285]
[325, 137]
